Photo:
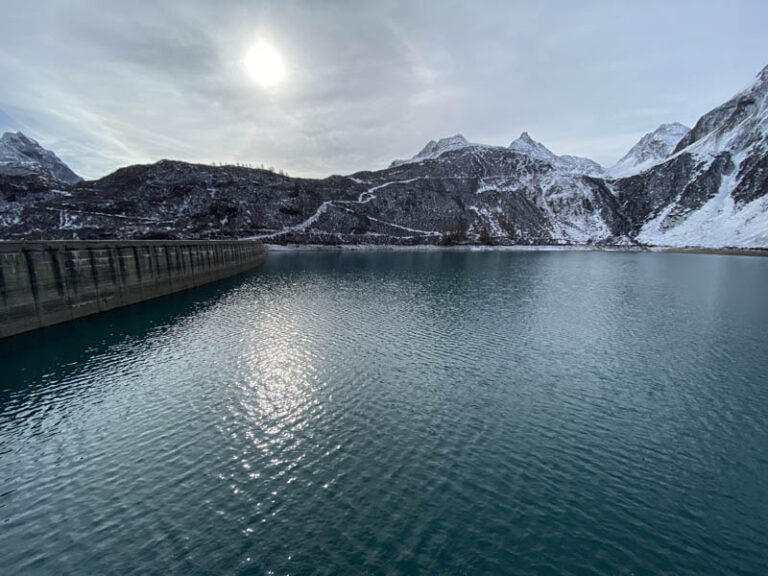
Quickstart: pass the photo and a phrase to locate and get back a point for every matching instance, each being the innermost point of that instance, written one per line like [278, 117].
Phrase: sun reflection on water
[274, 397]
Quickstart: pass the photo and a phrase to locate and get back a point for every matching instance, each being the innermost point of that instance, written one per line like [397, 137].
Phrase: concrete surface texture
[44, 283]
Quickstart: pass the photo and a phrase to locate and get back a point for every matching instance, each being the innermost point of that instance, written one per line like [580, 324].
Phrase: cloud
[109, 83]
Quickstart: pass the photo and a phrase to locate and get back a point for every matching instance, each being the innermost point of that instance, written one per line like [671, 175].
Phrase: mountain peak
[20, 154]
[672, 127]
[527, 145]
[762, 76]
[651, 149]
[434, 149]
[455, 139]
[18, 139]
[571, 164]
[451, 142]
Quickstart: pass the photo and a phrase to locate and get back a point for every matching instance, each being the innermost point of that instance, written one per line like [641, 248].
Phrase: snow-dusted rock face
[528, 146]
[739, 123]
[435, 149]
[467, 194]
[568, 164]
[169, 200]
[523, 145]
[652, 149]
[713, 190]
[485, 195]
[20, 156]
[710, 189]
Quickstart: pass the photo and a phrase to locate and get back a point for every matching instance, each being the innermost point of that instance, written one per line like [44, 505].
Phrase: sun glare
[264, 64]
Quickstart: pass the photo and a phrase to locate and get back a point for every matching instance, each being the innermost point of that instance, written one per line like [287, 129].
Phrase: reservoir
[400, 413]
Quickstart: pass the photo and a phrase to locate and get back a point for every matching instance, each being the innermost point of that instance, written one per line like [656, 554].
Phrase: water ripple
[400, 413]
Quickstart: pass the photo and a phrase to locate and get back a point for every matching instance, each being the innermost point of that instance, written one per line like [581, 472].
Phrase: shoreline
[436, 248]
[519, 248]
[719, 251]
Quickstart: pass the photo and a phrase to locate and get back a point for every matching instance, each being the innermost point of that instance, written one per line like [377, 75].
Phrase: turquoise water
[400, 413]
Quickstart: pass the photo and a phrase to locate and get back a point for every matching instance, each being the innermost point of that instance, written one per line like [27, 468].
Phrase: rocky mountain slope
[713, 190]
[22, 156]
[703, 187]
[652, 149]
[567, 164]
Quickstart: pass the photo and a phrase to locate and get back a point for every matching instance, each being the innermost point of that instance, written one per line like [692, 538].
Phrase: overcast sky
[105, 84]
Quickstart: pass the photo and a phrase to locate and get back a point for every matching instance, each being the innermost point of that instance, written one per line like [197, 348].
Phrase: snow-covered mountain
[713, 190]
[709, 189]
[20, 155]
[652, 148]
[434, 149]
[523, 145]
[569, 164]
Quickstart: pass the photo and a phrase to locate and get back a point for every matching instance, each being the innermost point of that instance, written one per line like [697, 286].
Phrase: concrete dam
[45, 283]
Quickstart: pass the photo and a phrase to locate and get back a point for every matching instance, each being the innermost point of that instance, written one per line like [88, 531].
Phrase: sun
[264, 64]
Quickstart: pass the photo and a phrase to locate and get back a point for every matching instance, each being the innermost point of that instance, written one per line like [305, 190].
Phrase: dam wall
[44, 283]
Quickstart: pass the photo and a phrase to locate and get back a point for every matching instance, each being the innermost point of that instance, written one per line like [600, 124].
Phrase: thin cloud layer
[106, 84]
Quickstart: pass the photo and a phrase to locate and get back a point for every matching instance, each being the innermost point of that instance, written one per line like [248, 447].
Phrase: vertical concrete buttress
[44, 283]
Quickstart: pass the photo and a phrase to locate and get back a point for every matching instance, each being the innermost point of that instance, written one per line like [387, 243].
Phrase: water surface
[400, 413]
